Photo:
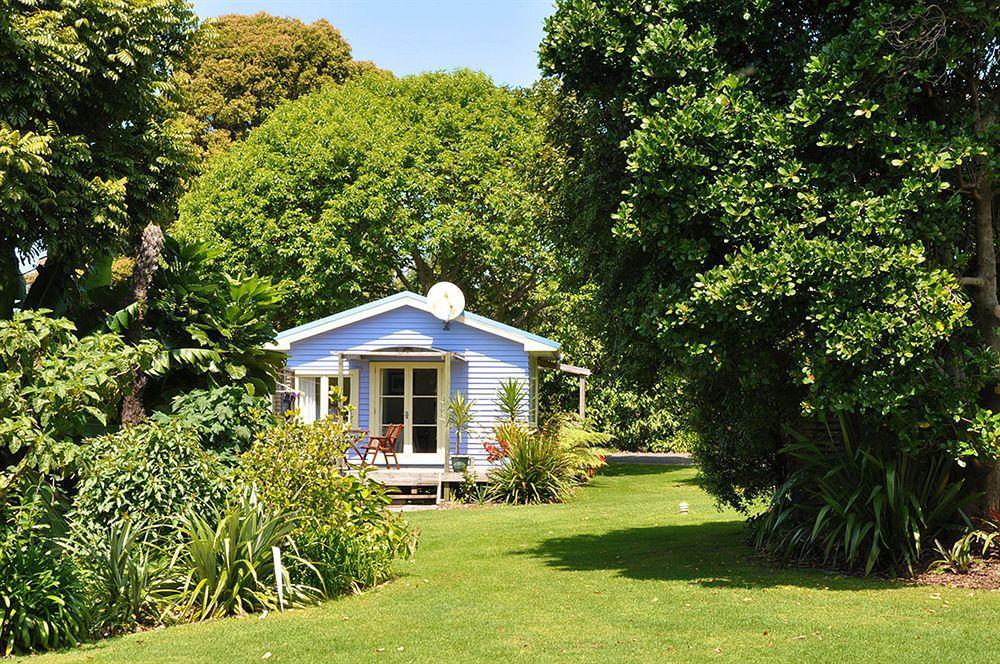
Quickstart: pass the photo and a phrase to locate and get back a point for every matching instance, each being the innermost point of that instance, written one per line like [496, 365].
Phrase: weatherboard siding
[490, 359]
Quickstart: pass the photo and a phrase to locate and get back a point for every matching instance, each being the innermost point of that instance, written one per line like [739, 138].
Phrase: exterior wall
[490, 359]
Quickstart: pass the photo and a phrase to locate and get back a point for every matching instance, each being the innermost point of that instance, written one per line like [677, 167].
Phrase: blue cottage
[397, 363]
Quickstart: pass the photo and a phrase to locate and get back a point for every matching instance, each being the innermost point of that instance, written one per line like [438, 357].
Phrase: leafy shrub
[43, 601]
[862, 504]
[224, 564]
[55, 389]
[345, 529]
[651, 418]
[227, 418]
[148, 472]
[535, 468]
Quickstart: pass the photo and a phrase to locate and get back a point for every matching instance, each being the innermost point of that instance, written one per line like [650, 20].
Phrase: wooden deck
[420, 485]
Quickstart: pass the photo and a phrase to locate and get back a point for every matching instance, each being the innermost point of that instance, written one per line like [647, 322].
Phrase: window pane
[343, 401]
[424, 439]
[393, 382]
[425, 381]
[392, 410]
[425, 410]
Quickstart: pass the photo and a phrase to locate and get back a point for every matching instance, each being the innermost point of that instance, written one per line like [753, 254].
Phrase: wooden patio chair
[386, 444]
[355, 438]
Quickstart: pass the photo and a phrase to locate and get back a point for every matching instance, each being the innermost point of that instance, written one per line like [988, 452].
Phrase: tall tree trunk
[147, 260]
[10, 281]
[988, 309]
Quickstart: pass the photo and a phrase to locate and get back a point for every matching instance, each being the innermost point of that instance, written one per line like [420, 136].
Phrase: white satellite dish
[446, 300]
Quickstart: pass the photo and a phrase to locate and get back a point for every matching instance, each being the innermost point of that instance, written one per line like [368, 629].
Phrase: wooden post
[445, 403]
[583, 396]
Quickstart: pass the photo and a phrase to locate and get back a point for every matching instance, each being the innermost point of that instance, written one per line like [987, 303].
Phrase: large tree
[88, 151]
[243, 66]
[807, 214]
[384, 183]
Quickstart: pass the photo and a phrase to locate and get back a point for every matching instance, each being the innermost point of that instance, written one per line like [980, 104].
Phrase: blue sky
[499, 37]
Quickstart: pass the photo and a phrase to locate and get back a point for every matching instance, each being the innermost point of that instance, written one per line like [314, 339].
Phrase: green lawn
[615, 575]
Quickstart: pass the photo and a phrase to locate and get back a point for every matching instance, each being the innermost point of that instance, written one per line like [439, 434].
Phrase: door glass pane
[393, 382]
[424, 439]
[309, 405]
[425, 382]
[425, 410]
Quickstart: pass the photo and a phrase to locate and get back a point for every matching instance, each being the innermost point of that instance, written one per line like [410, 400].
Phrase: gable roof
[531, 342]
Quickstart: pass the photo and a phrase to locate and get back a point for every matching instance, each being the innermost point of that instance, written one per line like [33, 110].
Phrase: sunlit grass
[615, 575]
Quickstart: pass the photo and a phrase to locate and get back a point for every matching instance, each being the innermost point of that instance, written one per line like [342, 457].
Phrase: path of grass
[616, 575]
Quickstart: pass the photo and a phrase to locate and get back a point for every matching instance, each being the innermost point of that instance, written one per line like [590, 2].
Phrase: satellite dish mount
[447, 301]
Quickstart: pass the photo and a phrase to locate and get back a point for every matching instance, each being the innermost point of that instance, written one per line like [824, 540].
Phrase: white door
[409, 394]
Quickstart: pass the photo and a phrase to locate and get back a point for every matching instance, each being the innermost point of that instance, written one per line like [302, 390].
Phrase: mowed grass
[616, 575]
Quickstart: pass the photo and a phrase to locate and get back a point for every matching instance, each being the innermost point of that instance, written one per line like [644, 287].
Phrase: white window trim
[325, 377]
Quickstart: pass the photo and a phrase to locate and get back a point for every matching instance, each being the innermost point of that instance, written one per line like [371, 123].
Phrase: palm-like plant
[460, 417]
[511, 399]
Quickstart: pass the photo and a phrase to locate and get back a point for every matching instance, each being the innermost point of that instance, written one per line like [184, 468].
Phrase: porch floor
[419, 476]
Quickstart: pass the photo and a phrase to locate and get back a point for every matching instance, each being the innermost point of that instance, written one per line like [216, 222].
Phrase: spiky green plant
[582, 444]
[224, 565]
[535, 469]
[860, 503]
[511, 399]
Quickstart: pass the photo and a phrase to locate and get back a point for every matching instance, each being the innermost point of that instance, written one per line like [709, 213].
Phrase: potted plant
[460, 417]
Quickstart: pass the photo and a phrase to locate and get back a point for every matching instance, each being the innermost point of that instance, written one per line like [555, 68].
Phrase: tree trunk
[146, 263]
[988, 311]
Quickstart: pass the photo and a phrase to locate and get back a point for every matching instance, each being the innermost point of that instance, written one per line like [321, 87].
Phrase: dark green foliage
[149, 473]
[650, 418]
[124, 566]
[212, 326]
[860, 503]
[778, 198]
[89, 153]
[43, 601]
[227, 419]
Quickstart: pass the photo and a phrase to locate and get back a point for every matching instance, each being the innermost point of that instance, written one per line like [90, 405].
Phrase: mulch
[984, 575]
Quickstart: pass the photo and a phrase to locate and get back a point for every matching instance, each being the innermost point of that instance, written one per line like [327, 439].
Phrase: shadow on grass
[640, 470]
[709, 554]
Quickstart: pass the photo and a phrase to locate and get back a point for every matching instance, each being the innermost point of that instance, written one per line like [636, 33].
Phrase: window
[319, 396]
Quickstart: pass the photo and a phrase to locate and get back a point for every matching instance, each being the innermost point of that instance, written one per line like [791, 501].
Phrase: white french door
[409, 394]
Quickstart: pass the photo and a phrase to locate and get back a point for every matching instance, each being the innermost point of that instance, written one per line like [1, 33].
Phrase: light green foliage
[583, 445]
[535, 468]
[223, 565]
[43, 602]
[961, 557]
[227, 419]
[357, 190]
[212, 325]
[149, 472]
[346, 530]
[860, 503]
[460, 416]
[241, 67]
[88, 150]
[797, 207]
[646, 417]
[56, 389]
[511, 399]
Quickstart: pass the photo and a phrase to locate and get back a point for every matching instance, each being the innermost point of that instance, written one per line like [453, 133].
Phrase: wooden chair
[386, 444]
[355, 438]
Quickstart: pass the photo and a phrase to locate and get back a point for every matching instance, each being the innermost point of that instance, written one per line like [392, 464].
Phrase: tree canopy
[88, 150]
[802, 186]
[382, 183]
[242, 67]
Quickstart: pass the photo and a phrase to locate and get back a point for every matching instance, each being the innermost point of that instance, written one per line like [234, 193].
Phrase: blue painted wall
[490, 359]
